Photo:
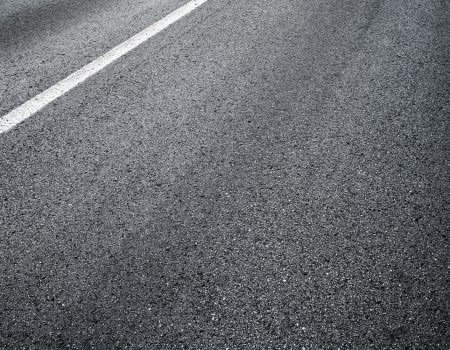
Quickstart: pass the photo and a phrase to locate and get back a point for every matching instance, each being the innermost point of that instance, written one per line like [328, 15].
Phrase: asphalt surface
[264, 174]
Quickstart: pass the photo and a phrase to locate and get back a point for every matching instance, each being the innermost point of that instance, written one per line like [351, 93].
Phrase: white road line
[34, 105]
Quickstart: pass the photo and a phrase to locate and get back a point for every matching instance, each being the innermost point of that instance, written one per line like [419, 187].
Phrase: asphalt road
[263, 174]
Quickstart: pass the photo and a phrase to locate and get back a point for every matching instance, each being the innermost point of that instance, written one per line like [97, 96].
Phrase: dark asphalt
[264, 174]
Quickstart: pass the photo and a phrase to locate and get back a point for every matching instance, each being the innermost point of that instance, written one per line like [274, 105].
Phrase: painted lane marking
[27, 109]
